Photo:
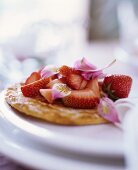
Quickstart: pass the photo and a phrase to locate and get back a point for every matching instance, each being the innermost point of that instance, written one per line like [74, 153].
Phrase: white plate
[92, 139]
[16, 145]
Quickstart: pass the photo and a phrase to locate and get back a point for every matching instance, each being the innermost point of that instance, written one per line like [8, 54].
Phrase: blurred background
[38, 32]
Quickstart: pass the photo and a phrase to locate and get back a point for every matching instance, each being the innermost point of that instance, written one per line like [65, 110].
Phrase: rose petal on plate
[84, 65]
[48, 71]
[107, 110]
[60, 90]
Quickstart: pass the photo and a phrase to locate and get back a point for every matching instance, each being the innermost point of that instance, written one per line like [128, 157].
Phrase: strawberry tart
[78, 95]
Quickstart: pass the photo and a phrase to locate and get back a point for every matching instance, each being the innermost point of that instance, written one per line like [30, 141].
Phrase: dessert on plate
[78, 95]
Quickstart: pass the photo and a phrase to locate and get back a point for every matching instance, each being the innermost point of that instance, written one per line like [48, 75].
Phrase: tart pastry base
[54, 113]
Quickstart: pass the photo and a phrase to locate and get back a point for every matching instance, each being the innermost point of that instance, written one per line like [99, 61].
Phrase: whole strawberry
[117, 86]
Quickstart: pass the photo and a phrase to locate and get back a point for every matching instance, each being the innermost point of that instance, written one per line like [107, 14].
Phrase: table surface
[99, 53]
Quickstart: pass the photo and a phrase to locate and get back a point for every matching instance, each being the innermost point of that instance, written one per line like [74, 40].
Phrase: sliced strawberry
[33, 77]
[32, 89]
[86, 98]
[83, 84]
[73, 77]
[117, 86]
[63, 80]
[75, 81]
[100, 83]
[94, 86]
[66, 70]
[47, 94]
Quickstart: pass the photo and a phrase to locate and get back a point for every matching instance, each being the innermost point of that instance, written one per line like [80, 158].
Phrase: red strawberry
[47, 94]
[32, 89]
[33, 77]
[84, 99]
[94, 85]
[117, 86]
[83, 84]
[65, 70]
[75, 81]
[73, 77]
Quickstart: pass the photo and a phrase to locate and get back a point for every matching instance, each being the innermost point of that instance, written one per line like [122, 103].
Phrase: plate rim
[13, 151]
[8, 149]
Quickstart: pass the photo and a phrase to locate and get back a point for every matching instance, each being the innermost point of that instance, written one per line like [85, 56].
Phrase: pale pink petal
[60, 90]
[107, 110]
[84, 65]
[90, 71]
[48, 71]
[91, 75]
[98, 74]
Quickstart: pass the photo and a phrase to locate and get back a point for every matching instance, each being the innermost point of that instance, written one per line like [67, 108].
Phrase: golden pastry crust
[54, 113]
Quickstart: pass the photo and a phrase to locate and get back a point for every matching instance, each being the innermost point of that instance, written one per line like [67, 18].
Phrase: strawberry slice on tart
[76, 81]
[34, 83]
[47, 94]
[32, 89]
[33, 77]
[66, 70]
[85, 98]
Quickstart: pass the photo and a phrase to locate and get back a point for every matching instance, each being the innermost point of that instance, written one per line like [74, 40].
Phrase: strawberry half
[66, 70]
[47, 94]
[75, 81]
[94, 86]
[32, 89]
[33, 77]
[87, 98]
[117, 86]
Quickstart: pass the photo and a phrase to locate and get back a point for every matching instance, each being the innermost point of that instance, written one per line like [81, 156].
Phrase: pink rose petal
[90, 71]
[48, 71]
[84, 65]
[60, 90]
[107, 110]
[89, 75]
